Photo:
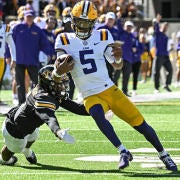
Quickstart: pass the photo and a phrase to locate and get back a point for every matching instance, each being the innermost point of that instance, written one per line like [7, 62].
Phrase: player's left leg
[127, 111]
[29, 154]
[152, 137]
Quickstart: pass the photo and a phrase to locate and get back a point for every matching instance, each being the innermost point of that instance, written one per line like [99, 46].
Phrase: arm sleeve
[45, 108]
[11, 45]
[74, 107]
[49, 118]
[119, 25]
[156, 27]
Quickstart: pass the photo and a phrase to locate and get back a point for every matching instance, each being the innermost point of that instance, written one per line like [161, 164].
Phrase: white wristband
[118, 61]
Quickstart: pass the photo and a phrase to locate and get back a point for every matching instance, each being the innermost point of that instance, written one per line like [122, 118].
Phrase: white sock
[162, 153]
[121, 148]
[27, 152]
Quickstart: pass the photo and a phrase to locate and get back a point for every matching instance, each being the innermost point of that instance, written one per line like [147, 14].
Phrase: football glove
[64, 136]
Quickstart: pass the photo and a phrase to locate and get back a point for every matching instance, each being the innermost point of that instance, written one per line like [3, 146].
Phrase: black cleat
[169, 163]
[10, 162]
[167, 89]
[124, 159]
[128, 95]
[32, 159]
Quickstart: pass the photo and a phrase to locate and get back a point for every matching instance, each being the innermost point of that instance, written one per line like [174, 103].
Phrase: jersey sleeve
[74, 107]
[106, 36]
[10, 42]
[61, 42]
[45, 109]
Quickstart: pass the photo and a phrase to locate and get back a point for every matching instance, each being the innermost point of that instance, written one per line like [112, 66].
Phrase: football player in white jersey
[89, 48]
[6, 37]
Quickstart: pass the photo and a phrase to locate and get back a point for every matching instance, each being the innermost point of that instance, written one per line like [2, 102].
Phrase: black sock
[104, 125]
[150, 135]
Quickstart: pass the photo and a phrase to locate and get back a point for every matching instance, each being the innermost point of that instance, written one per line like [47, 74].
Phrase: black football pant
[126, 72]
[135, 72]
[159, 62]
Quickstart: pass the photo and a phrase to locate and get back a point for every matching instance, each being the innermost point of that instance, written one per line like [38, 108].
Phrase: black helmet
[58, 88]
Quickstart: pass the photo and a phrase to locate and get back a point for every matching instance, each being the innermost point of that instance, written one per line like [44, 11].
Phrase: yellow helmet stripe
[104, 35]
[45, 105]
[7, 28]
[64, 39]
[85, 8]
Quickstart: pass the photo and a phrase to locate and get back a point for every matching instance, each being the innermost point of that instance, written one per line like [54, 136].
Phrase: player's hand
[64, 65]
[116, 49]
[63, 135]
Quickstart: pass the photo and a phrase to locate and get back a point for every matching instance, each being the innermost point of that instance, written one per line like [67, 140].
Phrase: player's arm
[11, 45]
[113, 54]
[74, 107]
[48, 116]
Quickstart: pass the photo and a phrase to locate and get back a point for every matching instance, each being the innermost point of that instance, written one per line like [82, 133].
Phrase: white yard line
[101, 141]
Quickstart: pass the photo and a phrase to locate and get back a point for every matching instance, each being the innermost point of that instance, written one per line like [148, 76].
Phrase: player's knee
[143, 128]
[97, 112]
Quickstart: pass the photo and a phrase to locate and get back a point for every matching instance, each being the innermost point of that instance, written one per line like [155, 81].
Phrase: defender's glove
[63, 135]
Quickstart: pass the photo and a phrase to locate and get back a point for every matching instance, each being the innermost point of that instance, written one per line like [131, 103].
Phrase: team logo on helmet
[58, 88]
[84, 15]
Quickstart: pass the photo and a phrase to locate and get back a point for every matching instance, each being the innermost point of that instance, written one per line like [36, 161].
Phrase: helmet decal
[56, 88]
[85, 8]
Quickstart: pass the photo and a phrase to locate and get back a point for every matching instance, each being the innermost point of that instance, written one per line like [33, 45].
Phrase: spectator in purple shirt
[29, 40]
[162, 55]
[127, 37]
[137, 51]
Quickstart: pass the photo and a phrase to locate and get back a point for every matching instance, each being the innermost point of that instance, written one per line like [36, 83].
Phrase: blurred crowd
[147, 51]
[127, 8]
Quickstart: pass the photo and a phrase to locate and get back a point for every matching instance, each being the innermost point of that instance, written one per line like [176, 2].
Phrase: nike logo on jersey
[96, 43]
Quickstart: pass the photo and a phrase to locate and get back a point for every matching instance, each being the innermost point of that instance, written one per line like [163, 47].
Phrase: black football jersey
[38, 109]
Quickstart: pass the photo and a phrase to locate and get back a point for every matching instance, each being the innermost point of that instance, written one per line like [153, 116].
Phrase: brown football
[62, 58]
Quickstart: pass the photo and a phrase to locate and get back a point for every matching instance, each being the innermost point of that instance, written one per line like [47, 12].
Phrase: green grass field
[57, 160]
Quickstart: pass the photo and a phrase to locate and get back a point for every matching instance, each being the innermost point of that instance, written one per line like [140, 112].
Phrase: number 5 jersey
[89, 60]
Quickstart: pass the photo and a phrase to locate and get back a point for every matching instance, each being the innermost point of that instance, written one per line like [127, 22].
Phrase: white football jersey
[90, 72]
[6, 37]
[40, 22]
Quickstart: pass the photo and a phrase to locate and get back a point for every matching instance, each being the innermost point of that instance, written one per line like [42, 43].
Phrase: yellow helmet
[84, 16]
[20, 12]
[66, 14]
[66, 11]
[49, 10]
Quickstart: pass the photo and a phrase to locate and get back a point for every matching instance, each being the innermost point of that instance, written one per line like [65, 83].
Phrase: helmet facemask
[83, 27]
[58, 88]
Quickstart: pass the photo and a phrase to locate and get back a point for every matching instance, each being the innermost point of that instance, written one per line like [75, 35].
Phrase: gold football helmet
[66, 14]
[84, 15]
[49, 10]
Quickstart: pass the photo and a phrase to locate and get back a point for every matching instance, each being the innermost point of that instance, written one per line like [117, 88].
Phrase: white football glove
[64, 136]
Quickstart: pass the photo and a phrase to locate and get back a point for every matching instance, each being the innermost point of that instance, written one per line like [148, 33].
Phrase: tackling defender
[88, 48]
[20, 128]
